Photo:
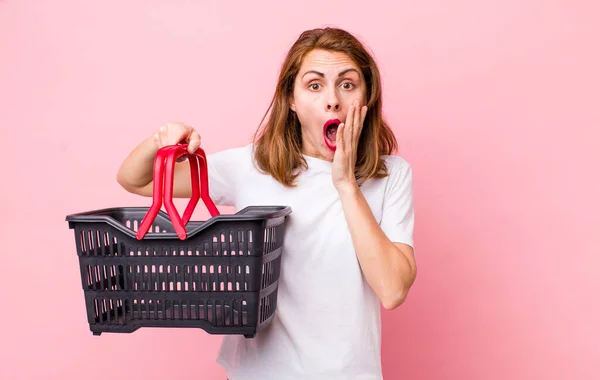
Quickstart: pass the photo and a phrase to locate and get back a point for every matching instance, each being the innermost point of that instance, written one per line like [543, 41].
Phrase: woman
[325, 150]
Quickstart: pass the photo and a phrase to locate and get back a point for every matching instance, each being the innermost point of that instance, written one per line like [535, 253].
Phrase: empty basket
[142, 267]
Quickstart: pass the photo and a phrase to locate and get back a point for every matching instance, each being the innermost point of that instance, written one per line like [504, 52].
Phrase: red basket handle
[163, 177]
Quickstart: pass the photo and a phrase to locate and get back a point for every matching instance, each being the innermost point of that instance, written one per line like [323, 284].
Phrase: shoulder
[230, 158]
[397, 165]
[237, 160]
[399, 176]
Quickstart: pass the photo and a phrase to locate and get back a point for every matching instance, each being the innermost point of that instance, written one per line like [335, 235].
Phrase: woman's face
[325, 88]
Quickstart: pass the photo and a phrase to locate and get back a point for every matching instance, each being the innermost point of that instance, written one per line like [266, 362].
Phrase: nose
[333, 103]
[333, 106]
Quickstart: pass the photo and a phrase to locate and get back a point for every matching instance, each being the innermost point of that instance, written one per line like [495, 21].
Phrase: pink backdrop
[496, 107]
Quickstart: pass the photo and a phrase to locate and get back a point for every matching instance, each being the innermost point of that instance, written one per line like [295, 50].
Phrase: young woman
[326, 151]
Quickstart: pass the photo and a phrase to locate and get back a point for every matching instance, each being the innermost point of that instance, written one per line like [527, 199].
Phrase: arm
[387, 264]
[388, 267]
[136, 172]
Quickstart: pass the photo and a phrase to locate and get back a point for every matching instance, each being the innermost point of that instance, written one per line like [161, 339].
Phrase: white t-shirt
[327, 323]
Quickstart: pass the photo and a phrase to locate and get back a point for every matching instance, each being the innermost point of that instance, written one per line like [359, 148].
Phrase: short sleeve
[398, 215]
[222, 177]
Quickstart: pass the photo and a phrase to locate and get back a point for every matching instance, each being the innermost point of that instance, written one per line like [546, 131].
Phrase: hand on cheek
[348, 135]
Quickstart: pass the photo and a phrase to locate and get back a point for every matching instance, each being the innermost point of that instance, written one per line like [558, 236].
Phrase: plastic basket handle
[164, 165]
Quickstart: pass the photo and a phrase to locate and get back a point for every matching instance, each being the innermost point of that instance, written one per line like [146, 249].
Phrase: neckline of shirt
[317, 163]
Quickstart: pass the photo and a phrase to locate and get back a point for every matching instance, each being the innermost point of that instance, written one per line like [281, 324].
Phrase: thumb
[194, 142]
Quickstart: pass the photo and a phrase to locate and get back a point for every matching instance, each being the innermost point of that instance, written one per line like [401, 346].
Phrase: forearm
[387, 269]
[135, 172]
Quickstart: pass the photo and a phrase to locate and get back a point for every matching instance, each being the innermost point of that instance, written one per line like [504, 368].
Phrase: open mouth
[330, 132]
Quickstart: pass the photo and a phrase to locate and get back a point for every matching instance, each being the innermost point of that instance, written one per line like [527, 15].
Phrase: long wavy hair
[278, 142]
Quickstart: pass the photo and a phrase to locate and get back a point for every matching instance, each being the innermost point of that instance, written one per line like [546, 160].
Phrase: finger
[361, 124]
[194, 141]
[357, 110]
[176, 134]
[179, 133]
[162, 134]
[339, 138]
[350, 116]
[363, 116]
[165, 132]
[156, 138]
[350, 127]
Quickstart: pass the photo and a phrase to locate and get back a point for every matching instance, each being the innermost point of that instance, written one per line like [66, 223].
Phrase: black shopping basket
[142, 267]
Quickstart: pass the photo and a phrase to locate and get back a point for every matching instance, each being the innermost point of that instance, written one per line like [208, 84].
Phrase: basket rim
[249, 213]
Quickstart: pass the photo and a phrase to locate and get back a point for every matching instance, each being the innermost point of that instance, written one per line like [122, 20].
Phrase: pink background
[496, 107]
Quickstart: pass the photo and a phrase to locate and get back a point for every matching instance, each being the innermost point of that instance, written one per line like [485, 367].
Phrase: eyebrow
[323, 75]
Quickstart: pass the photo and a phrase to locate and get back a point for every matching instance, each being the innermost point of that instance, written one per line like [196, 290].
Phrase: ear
[292, 104]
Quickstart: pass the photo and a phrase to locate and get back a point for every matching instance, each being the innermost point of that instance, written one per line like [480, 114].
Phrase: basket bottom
[118, 316]
[173, 312]
[132, 326]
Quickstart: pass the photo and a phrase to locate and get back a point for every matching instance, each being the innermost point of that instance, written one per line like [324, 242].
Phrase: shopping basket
[142, 267]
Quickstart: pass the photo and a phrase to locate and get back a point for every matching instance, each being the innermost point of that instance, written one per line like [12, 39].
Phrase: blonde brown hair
[278, 143]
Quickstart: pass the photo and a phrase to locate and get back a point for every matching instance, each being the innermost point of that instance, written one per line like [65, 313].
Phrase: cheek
[302, 119]
[307, 102]
[349, 99]
[306, 111]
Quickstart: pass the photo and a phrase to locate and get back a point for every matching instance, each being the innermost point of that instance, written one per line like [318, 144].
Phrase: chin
[327, 153]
